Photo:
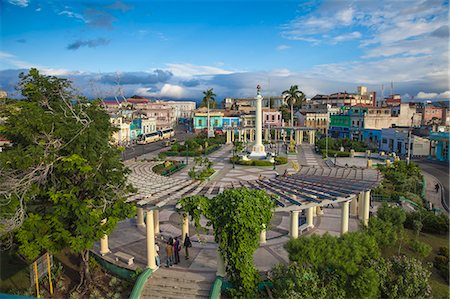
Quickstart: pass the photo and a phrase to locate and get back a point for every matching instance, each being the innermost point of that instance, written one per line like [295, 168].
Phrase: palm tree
[293, 96]
[209, 99]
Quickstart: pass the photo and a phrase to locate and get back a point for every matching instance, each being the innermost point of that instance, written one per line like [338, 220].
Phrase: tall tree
[61, 175]
[294, 97]
[237, 217]
[209, 98]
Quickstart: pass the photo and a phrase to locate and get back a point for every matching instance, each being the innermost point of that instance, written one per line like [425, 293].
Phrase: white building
[122, 135]
[183, 109]
[148, 125]
[396, 140]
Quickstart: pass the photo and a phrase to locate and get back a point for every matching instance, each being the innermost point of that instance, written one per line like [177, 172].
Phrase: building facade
[201, 120]
[396, 140]
[362, 97]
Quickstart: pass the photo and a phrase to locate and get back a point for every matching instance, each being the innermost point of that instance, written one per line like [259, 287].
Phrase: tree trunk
[85, 274]
[292, 114]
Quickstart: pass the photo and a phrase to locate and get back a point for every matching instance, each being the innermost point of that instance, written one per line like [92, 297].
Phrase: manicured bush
[338, 153]
[262, 163]
[434, 224]
[442, 263]
[280, 160]
[421, 248]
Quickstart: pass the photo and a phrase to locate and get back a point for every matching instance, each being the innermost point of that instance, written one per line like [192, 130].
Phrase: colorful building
[439, 141]
[201, 120]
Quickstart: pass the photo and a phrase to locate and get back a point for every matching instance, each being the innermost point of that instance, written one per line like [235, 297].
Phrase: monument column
[184, 227]
[258, 148]
[294, 225]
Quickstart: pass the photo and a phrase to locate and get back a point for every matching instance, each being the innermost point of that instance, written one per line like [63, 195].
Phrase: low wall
[140, 283]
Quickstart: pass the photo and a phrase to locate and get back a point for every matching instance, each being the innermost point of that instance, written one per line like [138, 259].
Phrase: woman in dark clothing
[187, 243]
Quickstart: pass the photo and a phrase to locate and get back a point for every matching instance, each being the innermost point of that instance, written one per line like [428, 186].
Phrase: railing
[140, 283]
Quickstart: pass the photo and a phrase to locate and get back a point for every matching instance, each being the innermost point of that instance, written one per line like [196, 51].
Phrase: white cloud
[433, 95]
[189, 70]
[21, 3]
[345, 16]
[167, 91]
[346, 37]
[38, 9]
[72, 14]
[283, 47]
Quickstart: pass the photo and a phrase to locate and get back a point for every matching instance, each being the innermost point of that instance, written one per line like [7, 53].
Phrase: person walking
[187, 243]
[176, 250]
[157, 258]
[436, 187]
[169, 252]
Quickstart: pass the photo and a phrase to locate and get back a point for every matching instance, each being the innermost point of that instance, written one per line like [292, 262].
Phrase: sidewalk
[431, 195]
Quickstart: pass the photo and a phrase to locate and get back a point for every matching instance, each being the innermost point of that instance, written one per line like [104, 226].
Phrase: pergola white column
[294, 225]
[366, 207]
[228, 136]
[344, 217]
[151, 261]
[354, 206]
[262, 236]
[185, 226]
[220, 264]
[104, 248]
[245, 135]
[251, 135]
[312, 135]
[360, 205]
[300, 137]
[310, 216]
[232, 135]
[140, 217]
[319, 211]
[156, 221]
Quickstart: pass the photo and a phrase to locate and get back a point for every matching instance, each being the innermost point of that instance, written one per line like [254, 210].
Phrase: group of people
[173, 248]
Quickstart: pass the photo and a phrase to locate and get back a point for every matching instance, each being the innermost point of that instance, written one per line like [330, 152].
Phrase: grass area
[14, 272]
[439, 287]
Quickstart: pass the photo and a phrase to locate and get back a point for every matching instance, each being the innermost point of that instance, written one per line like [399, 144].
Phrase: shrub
[280, 160]
[434, 224]
[331, 153]
[421, 248]
[261, 163]
[441, 262]
[162, 155]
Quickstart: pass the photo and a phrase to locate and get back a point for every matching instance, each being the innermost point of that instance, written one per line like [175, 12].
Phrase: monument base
[258, 152]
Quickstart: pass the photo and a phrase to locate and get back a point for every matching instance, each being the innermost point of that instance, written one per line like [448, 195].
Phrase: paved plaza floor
[164, 192]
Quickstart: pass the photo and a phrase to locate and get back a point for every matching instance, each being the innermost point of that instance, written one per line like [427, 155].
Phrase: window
[216, 123]
[273, 117]
[200, 122]
[384, 141]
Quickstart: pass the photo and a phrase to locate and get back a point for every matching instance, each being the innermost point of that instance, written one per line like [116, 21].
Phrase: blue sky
[176, 49]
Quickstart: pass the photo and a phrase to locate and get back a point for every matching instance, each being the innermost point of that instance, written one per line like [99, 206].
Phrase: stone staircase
[173, 283]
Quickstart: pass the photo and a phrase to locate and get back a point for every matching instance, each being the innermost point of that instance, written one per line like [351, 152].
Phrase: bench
[124, 257]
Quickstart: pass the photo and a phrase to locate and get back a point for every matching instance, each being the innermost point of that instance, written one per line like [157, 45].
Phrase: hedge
[332, 152]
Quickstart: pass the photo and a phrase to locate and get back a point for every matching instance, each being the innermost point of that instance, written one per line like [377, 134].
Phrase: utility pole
[408, 158]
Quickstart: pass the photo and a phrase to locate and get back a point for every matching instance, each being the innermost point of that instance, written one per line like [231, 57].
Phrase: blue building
[231, 121]
[372, 137]
[440, 141]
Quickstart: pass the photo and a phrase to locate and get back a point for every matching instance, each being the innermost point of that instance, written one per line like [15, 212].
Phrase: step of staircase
[170, 283]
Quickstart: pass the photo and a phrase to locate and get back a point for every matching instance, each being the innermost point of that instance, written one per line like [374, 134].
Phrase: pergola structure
[275, 134]
[307, 191]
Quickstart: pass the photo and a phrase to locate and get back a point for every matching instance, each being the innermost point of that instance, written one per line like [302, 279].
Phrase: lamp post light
[233, 158]
[187, 156]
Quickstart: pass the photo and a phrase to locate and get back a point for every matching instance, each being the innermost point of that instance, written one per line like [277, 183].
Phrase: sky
[178, 49]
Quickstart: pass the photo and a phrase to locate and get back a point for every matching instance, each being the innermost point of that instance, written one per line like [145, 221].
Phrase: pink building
[429, 112]
[271, 117]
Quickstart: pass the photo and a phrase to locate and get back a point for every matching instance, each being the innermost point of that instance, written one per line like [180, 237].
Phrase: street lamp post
[233, 157]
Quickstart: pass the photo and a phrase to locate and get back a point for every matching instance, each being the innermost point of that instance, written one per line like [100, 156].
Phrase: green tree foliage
[209, 98]
[399, 179]
[403, 277]
[294, 97]
[61, 169]
[431, 223]
[297, 281]
[391, 214]
[340, 262]
[442, 262]
[237, 217]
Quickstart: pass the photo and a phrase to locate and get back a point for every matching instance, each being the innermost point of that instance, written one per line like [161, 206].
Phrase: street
[440, 170]
[141, 149]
